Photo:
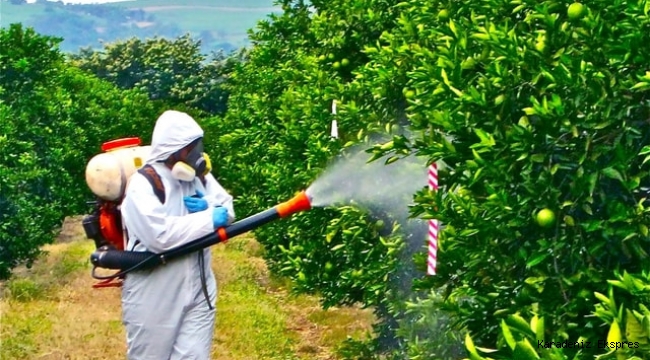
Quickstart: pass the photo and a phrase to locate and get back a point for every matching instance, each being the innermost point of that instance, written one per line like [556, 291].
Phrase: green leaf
[603, 299]
[452, 27]
[592, 178]
[486, 139]
[469, 344]
[507, 335]
[612, 173]
[536, 260]
[539, 329]
[337, 247]
[614, 334]
[569, 220]
[518, 323]
[641, 86]
[530, 111]
[524, 351]
[538, 158]
[634, 330]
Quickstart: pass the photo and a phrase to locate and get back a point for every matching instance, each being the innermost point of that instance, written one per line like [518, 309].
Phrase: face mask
[193, 164]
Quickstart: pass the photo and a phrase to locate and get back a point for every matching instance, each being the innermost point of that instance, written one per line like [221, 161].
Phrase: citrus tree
[54, 119]
[275, 140]
[534, 106]
[539, 111]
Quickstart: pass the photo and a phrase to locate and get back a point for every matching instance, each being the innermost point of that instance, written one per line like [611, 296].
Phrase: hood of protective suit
[173, 131]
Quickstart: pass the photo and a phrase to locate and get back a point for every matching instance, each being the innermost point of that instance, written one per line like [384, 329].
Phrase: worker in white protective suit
[169, 311]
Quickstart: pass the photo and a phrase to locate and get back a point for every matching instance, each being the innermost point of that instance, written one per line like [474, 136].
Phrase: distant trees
[173, 70]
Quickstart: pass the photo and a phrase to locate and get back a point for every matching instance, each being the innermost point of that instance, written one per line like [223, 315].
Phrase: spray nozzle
[300, 202]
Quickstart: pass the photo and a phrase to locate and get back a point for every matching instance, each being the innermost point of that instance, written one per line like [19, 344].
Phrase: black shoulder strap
[154, 179]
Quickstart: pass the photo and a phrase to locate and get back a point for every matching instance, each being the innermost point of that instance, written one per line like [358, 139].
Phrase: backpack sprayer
[107, 175]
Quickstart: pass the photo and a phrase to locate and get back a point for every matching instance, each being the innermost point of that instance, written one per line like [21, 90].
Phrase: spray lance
[108, 175]
[127, 261]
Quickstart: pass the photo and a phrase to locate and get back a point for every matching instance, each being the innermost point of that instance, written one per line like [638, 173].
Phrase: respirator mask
[196, 163]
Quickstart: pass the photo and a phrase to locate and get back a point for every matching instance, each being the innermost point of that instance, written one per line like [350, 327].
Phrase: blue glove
[195, 203]
[219, 217]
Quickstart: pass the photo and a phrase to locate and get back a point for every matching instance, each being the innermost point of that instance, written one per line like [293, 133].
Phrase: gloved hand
[219, 217]
[195, 203]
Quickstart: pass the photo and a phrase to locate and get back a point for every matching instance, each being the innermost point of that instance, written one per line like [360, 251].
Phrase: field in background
[220, 24]
[51, 311]
[218, 3]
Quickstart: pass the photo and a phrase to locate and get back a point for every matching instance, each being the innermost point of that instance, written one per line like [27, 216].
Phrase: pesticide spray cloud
[351, 179]
[389, 188]
[382, 189]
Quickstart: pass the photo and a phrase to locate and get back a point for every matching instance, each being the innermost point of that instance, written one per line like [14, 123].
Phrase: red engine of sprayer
[107, 176]
[110, 224]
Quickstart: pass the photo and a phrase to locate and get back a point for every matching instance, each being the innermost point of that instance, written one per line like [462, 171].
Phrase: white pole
[335, 130]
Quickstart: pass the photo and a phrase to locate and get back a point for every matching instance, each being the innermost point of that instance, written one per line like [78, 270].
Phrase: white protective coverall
[164, 309]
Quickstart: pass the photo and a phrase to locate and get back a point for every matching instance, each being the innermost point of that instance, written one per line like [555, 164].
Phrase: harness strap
[154, 179]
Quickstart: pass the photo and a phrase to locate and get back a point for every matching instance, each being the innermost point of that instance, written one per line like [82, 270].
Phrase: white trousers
[165, 312]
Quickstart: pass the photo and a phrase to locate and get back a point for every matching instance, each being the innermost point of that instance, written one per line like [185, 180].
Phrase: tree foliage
[528, 106]
[531, 106]
[54, 118]
[170, 70]
[278, 141]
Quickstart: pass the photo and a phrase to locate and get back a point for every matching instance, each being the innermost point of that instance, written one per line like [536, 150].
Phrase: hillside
[51, 311]
[221, 24]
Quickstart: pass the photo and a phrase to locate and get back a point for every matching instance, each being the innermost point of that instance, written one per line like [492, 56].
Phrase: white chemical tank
[108, 173]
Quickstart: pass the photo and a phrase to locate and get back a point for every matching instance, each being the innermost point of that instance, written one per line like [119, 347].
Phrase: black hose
[135, 260]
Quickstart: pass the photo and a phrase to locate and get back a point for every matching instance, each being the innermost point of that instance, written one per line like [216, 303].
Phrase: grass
[51, 312]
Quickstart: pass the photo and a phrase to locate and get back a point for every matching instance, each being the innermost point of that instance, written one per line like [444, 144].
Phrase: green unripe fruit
[345, 62]
[545, 218]
[576, 11]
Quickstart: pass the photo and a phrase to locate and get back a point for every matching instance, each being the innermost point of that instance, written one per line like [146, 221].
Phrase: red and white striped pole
[432, 259]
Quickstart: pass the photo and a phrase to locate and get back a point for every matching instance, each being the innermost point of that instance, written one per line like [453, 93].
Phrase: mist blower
[107, 175]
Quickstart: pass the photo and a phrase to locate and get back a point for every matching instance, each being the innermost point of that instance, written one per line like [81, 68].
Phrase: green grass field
[51, 312]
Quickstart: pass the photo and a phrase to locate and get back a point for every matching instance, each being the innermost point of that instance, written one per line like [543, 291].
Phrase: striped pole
[432, 259]
[335, 127]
